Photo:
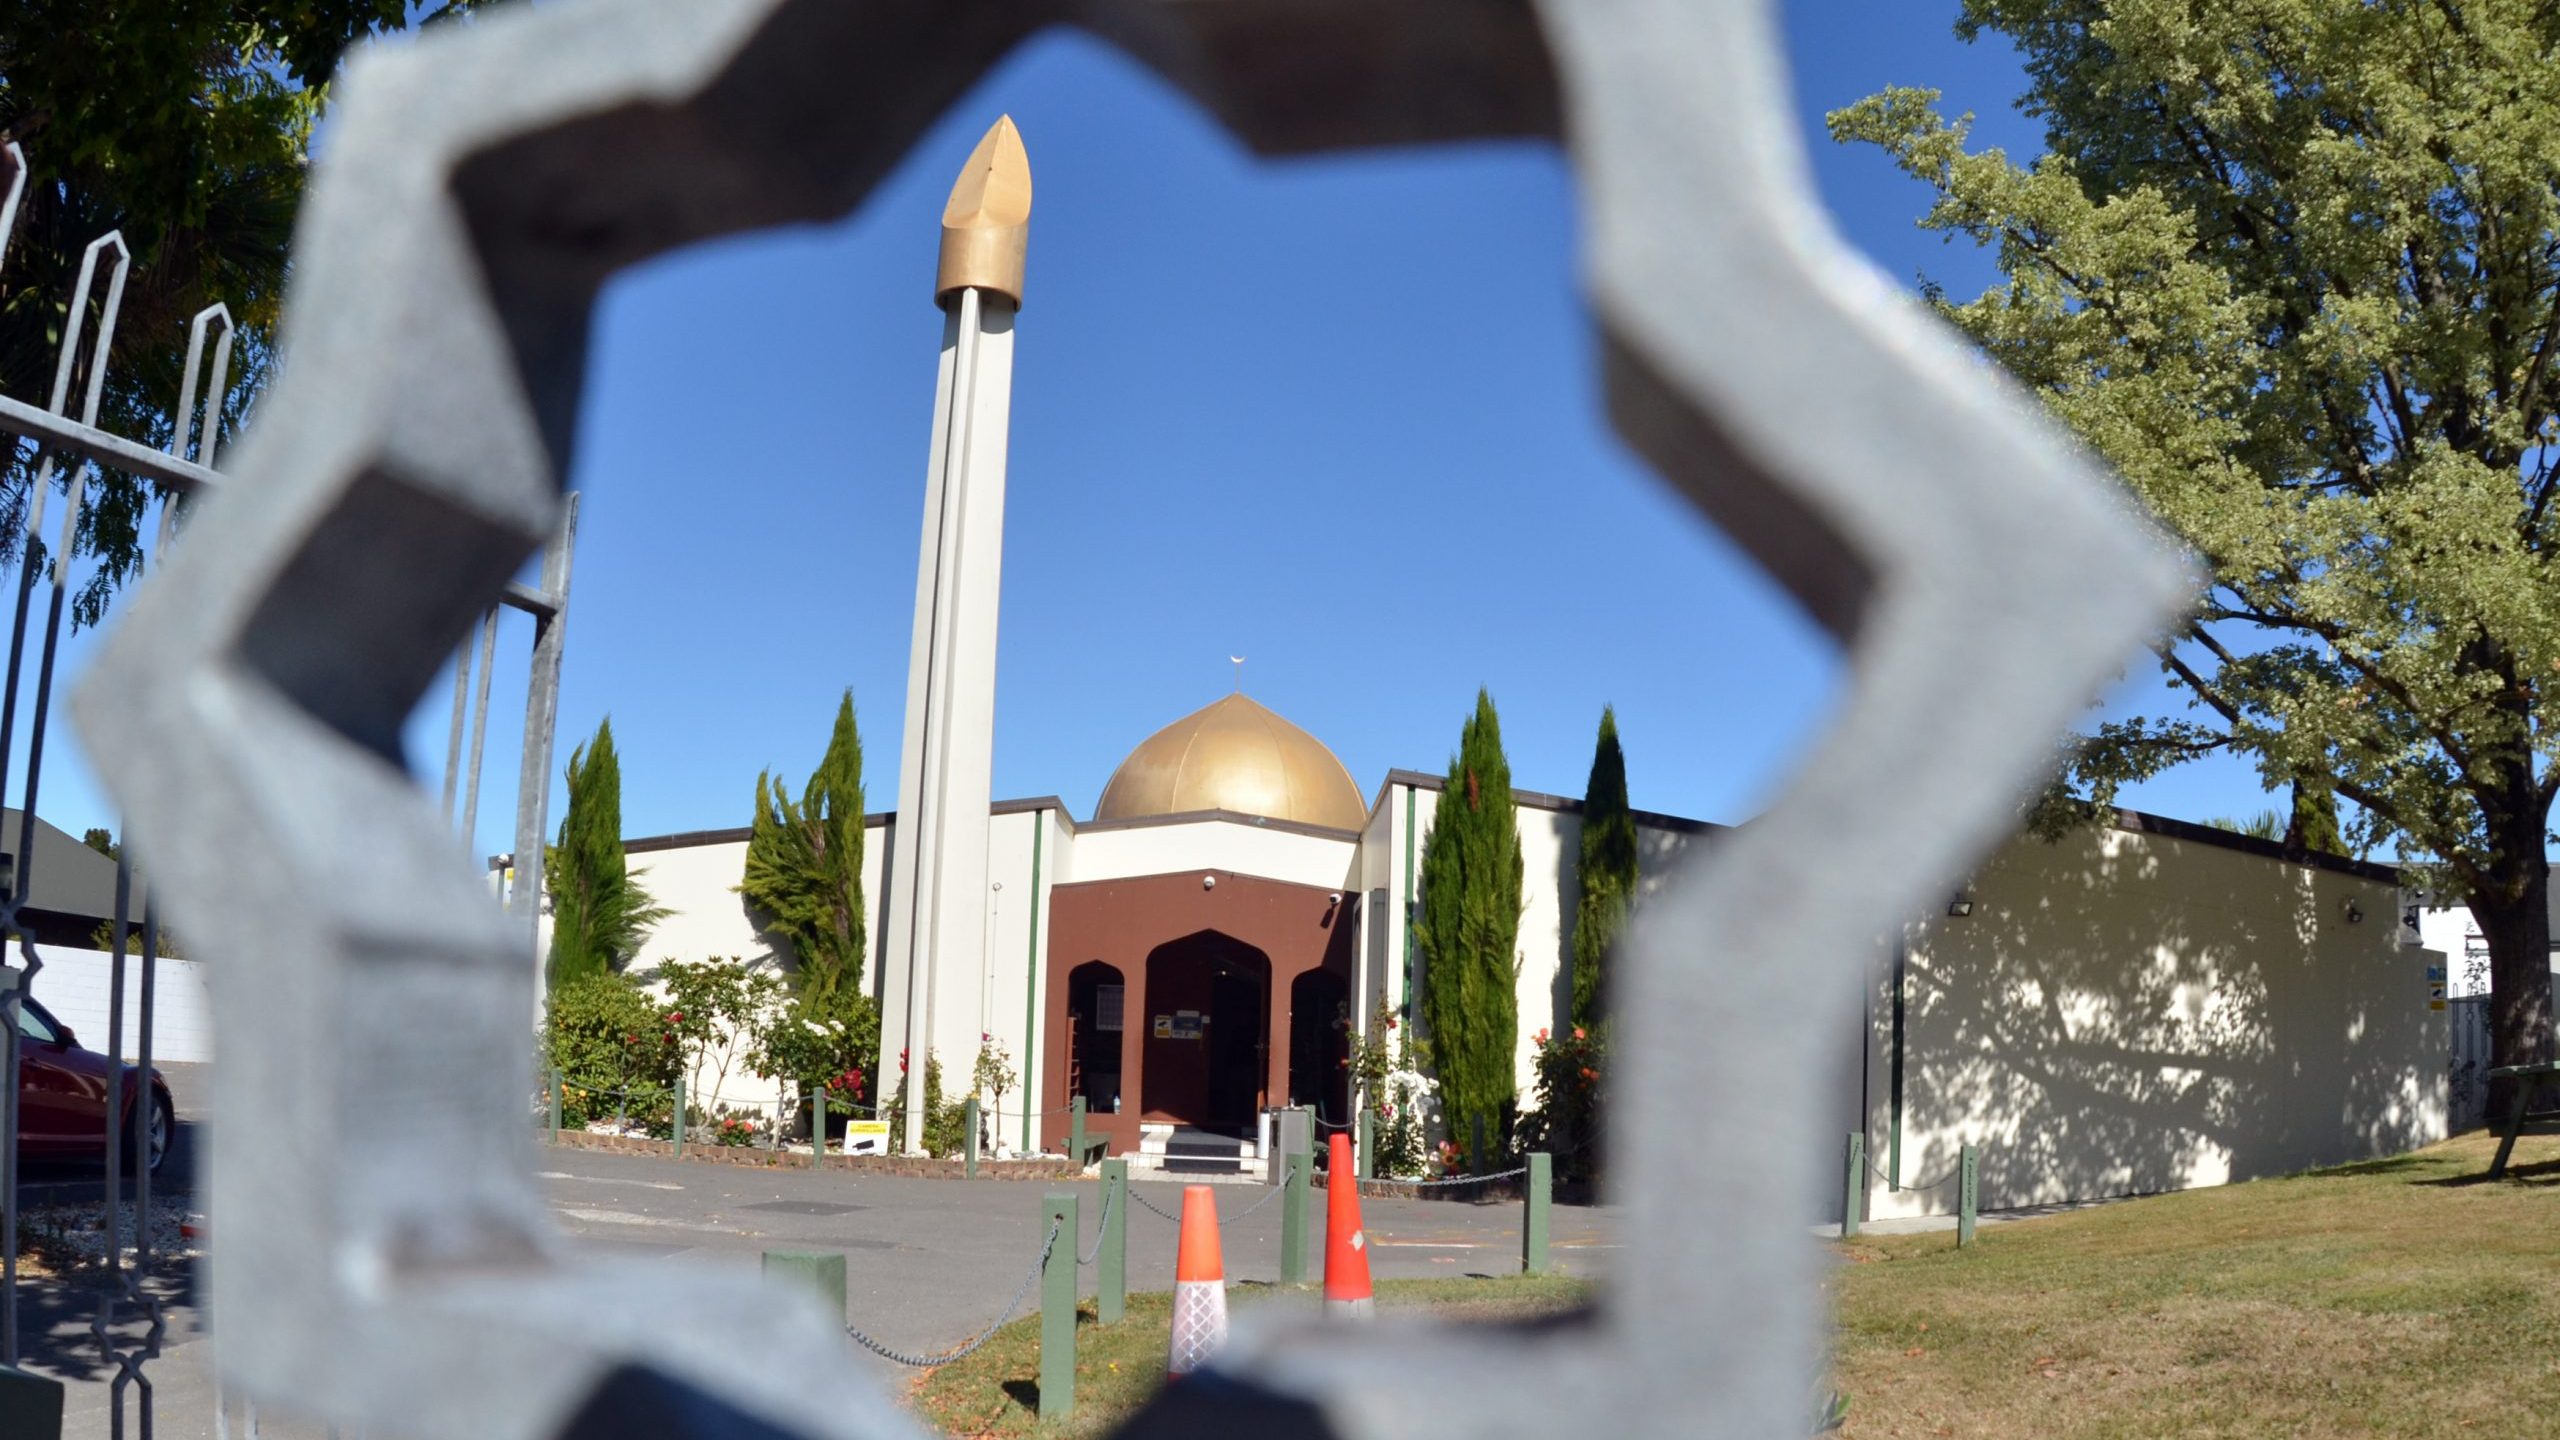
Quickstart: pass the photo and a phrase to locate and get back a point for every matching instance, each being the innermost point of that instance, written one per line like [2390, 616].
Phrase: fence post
[820, 1271]
[1293, 1218]
[678, 1132]
[817, 1125]
[1368, 1143]
[555, 1104]
[1075, 1130]
[1533, 1223]
[1968, 1181]
[1058, 1313]
[1852, 1194]
[1111, 1273]
[969, 1146]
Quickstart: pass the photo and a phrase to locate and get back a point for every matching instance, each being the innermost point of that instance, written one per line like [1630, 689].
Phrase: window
[33, 1024]
[1106, 1007]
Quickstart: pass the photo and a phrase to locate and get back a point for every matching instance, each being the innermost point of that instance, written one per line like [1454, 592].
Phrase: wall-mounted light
[1961, 906]
[1208, 882]
[2355, 912]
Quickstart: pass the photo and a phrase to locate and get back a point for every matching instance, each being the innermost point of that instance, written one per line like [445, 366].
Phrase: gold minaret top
[988, 221]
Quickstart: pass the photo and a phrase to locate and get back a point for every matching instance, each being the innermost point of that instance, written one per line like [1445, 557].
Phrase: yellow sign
[866, 1137]
[1164, 1027]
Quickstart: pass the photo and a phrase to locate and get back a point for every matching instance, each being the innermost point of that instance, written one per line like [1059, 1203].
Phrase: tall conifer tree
[1469, 933]
[804, 863]
[1608, 872]
[599, 915]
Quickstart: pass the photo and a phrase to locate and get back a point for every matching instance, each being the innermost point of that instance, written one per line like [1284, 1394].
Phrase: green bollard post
[677, 1134]
[822, 1271]
[1058, 1313]
[1111, 1266]
[1533, 1223]
[1852, 1193]
[1368, 1143]
[555, 1104]
[817, 1125]
[969, 1145]
[1075, 1130]
[1968, 1193]
[1293, 1218]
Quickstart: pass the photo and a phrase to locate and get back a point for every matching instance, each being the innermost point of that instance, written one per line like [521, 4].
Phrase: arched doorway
[1320, 1045]
[1208, 1039]
[1096, 1014]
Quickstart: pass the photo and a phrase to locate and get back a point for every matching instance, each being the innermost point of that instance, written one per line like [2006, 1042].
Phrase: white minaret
[937, 871]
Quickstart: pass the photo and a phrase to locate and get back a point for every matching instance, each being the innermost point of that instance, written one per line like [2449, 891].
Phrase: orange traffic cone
[1346, 1245]
[1199, 1285]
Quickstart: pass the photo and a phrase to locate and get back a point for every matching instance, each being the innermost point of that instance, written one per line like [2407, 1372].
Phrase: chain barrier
[1102, 1226]
[1268, 1192]
[1887, 1181]
[965, 1350]
[1513, 1173]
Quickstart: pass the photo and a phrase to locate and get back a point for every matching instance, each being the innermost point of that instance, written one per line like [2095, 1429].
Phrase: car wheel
[146, 1141]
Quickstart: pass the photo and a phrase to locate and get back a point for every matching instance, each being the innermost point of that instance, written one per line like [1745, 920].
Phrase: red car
[62, 1098]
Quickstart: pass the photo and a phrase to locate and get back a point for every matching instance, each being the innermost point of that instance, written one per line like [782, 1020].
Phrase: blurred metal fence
[61, 448]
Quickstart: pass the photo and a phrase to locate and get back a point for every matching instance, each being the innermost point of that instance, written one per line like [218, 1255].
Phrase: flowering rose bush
[1571, 1070]
[615, 1051]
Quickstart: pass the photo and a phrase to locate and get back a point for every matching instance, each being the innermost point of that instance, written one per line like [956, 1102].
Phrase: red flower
[1578, 1035]
[1540, 1037]
[1391, 1022]
[675, 1017]
[1590, 1074]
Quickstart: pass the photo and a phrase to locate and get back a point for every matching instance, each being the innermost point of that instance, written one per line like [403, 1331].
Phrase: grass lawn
[2398, 1298]
[2395, 1298]
[1118, 1367]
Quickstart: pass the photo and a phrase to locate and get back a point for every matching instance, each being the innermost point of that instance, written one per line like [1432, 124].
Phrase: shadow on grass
[1025, 1393]
[2541, 1173]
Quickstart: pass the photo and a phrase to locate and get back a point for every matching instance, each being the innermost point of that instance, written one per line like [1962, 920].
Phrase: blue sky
[1336, 415]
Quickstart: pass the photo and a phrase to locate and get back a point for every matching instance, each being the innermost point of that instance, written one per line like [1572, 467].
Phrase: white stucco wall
[2128, 1013]
[74, 985]
[707, 916]
[1240, 845]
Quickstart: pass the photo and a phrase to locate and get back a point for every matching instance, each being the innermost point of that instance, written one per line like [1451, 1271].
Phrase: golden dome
[1235, 755]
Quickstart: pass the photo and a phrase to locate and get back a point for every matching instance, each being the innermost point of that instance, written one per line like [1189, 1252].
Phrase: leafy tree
[2265, 825]
[1468, 933]
[187, 125]
[2291, 266]
[102, 841]
[804, 863]
[1607, 872]
[599, 914]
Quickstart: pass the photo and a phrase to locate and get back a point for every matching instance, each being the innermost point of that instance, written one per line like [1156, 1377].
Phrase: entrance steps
[1196, 1157]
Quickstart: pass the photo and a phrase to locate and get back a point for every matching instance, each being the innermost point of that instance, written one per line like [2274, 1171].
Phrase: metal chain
[1268, 1192]
[1887, 1181]
[1102, 1226]
[1515, 1171]
[964, 1351]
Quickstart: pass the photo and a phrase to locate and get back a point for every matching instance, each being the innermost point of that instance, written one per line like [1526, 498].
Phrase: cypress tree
[599, 915]
[1608, 872]
[804, 864]
[1468, 934]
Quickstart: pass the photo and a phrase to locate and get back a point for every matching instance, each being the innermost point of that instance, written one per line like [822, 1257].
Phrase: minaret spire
[937, 891]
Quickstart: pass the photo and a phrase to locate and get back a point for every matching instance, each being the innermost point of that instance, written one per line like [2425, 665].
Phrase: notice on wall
[866, 1137]
[1164, 1027]
[1186, 1024]
[2435, 987]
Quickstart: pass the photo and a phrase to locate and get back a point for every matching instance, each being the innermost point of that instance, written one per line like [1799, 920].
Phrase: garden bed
[756, 1157]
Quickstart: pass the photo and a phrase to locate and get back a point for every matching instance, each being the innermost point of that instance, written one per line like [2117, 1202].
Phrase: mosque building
[2140, 1007]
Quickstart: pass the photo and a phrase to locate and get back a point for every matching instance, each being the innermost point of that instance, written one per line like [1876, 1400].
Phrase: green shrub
[605, 1035]
[823, 1040]
[1567, 1124]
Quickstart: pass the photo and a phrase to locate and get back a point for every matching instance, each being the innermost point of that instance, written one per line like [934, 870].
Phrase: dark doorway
[1208, 1035]
[1320, 1045]
[1096, 1011]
